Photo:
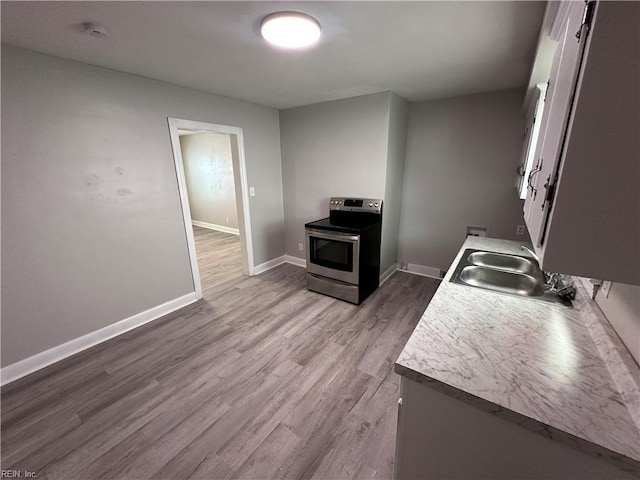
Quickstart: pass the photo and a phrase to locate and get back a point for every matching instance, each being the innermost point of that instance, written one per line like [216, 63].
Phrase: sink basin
[511, 263]
[502, 281]
[503, 273]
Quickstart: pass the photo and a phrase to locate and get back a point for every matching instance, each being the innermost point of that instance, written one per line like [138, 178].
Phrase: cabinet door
[528, 147]
[594, 226]
[561, 89]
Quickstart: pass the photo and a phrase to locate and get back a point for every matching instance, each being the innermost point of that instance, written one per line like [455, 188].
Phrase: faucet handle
[554, 281]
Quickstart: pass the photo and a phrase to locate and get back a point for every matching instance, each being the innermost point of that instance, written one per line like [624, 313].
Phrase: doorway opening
[212, 182]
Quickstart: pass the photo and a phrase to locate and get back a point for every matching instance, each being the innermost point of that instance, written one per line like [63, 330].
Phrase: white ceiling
[420, 50]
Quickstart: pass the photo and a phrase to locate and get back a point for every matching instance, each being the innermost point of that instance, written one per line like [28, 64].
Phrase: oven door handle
[332, 235]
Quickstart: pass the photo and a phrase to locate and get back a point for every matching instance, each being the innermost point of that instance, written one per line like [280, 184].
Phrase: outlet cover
[520, 230]
[252, 192]
[477, 231]
[300, 247]
[606, 288]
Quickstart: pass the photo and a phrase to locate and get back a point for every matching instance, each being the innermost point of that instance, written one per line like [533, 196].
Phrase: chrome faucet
[546, 276]
[552, 281]
[532, 253]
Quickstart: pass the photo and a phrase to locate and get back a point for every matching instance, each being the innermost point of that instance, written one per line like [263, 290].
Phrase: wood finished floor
[262, 379]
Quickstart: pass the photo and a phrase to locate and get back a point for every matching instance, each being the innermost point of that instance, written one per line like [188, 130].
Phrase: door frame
[242, 197]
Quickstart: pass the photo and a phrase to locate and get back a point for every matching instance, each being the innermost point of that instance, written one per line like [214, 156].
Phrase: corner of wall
[394, 176]
[621, 307]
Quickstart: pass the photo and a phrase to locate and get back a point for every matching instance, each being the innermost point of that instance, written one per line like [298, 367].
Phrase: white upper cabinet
[582, 205]
[562, 82]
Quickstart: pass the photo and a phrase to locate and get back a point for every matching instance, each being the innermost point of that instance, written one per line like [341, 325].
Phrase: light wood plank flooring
[262, 379]
[219, 257]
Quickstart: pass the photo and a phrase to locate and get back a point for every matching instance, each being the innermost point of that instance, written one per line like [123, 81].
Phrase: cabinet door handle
[536, 170]
[586, 19]
[551, 190]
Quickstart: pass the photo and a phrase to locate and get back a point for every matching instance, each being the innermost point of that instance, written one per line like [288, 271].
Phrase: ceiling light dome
[290, 29]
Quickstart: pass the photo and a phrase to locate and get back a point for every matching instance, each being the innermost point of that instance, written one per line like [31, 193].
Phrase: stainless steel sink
[502, 281]
[510, 263]
[509, 274]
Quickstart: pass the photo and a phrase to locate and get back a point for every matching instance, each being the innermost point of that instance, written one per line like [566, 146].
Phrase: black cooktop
[354, 225]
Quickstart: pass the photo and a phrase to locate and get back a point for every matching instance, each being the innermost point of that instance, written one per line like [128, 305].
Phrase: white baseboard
[40, 360]
[423, 271]
[387, 273]
[263, 267]
[301, 262]
[213, 226]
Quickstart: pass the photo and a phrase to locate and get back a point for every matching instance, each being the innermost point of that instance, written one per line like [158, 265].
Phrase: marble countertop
[559, 371]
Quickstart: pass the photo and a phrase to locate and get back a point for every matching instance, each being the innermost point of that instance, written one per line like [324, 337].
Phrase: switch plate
[606, 288]
[520, 230]
[300, 247]
[252, 192]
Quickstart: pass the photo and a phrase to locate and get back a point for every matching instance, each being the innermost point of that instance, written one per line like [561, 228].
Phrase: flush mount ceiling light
[290, 29]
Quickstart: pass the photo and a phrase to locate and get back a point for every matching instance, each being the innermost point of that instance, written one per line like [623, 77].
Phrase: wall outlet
[300, 247]
[477, 231]
[252, 192]
[606, 288]
[403, 266]
[520, 230]
[227, 219]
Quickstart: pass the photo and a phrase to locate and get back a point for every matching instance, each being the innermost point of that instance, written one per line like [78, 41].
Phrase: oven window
[331, 254]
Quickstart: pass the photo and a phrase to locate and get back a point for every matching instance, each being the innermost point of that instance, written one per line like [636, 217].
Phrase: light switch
[252, 192]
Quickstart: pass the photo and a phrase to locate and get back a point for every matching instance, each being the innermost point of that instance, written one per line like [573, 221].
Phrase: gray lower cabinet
[441, 437]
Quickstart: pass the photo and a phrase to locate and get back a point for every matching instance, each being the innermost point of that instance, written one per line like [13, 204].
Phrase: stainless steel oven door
[333, 255]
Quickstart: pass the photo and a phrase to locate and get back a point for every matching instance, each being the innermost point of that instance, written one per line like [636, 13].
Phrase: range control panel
[373, 205]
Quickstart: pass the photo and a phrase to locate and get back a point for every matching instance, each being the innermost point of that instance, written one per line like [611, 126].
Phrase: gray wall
[208, 168]
[622, 309]
[331, 149]
[461, 157]
[92, 228]
[398, 121]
